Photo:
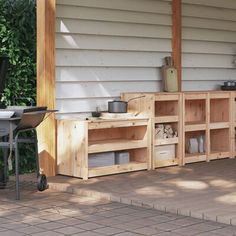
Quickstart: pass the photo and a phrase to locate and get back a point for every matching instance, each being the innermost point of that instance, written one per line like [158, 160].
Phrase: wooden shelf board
[166, 119]
[218, 155]
[163, 163]
[115, 144]
[166, 97]
[106, 124]
[218, 95]
[195, 96]
[195, 157]
[219, 125]
[108, 170]
[195, 126]
[166, 141]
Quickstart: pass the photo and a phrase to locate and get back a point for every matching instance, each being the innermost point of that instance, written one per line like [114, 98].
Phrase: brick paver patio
[52, 213]
[202, 190]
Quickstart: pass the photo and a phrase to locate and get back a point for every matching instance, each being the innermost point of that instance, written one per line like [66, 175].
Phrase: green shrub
[18, 42]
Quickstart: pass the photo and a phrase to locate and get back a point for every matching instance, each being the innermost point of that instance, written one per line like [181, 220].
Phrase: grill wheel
[42, 182]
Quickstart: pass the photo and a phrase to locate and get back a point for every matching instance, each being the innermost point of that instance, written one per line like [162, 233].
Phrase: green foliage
[18, 42]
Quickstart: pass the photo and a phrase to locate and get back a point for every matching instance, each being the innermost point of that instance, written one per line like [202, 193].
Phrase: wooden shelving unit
[161, 108]
[78, 139]
[167, 110]
[208, 118]
[207, 114]
[195, 124]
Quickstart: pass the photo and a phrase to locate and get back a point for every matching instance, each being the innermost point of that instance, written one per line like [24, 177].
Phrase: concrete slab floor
[202, 190]
[56, 213]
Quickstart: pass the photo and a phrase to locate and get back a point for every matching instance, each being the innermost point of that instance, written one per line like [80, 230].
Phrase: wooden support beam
[46, 83]
[177, 38]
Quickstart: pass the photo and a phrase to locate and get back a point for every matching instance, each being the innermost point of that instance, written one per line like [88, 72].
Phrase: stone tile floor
[52, 213]
[202, 190]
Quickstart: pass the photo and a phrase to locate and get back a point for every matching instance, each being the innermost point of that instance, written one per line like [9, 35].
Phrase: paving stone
[108, 231]
[89, 226]
[69, 230]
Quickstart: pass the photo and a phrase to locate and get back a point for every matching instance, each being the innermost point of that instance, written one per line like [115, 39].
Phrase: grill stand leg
[36, 152]
[17, 167]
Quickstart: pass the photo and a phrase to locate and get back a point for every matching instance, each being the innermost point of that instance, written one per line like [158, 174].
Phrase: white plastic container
[165, 152]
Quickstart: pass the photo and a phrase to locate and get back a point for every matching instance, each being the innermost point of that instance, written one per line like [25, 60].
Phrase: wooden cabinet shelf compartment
[77, 140]
[161, 108]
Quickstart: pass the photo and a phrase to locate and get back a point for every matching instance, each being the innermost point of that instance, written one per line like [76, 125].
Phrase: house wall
[107, 47]
[209, 43]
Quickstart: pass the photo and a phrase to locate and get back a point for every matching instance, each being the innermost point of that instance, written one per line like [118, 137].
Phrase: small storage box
[165, 152]
[101, 159]
[121, 158]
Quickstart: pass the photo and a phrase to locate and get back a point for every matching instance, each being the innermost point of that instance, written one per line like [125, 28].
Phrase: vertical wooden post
[46, 83]
[176, 39]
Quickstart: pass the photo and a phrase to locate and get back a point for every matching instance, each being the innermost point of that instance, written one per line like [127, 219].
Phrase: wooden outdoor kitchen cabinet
[206, 114]
[78, 139]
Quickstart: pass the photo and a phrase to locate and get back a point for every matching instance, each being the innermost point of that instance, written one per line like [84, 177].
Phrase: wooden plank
[177, 39]
[218, 155]
[72, 148]
[166, 96]
[103, 14]
[100, 171]
[164, 163]
[46, 83]
[194, 158]
[195, 95]
[195, 127]
[113, 145]
[166, 119]
[219, 125]
[166, 141]
[125, 122]
[219, 95]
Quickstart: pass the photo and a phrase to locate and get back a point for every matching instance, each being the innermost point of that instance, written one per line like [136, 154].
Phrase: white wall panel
[209, 43]
[101, 14]
[100, 74]
[108, 58]
[98, 42]
[154, 6]
[107, 47]
[112, 28]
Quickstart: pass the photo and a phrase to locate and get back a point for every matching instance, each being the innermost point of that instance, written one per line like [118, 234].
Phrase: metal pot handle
[136, 98]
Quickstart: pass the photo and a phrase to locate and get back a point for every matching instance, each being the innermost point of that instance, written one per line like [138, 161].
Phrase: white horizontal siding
[106, 74]
[151, 6]
[209, 43]
[107, 47]
[121, 43]
[108, 58]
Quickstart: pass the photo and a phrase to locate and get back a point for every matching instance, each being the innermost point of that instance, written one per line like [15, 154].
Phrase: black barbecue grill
[24, 119]
[12, 125]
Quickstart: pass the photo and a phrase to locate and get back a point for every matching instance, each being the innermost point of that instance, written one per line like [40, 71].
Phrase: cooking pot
[120, 106]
